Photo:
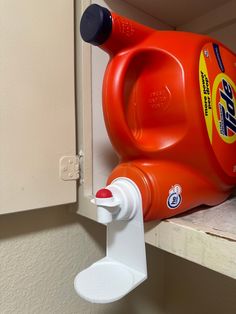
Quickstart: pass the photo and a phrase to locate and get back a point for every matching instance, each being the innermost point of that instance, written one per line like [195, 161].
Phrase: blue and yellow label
[217, 78]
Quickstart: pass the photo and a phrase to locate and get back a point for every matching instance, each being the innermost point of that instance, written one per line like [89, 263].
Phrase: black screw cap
[96, 25]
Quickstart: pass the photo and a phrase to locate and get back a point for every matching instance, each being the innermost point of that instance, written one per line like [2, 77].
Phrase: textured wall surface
[193, 289]
[41, 251]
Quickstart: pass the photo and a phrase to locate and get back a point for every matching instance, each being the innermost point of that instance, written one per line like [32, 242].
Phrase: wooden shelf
[206, 236]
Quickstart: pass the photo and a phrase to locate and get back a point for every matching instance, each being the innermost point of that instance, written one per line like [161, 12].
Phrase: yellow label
[205, 94]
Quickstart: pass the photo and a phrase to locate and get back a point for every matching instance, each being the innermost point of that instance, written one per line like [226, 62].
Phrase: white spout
[104, 215]
[115, 202]
[107, 206]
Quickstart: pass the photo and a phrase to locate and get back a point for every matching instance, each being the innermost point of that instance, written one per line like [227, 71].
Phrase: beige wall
[193, 289]
[41, 251]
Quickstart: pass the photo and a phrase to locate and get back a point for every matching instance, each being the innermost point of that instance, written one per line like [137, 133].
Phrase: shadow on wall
[191, 288]
[43, 219]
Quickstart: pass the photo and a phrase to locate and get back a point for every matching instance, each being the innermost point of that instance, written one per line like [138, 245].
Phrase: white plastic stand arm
[124, 267]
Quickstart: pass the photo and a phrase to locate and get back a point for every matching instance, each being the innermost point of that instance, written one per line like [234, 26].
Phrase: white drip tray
[107, 281]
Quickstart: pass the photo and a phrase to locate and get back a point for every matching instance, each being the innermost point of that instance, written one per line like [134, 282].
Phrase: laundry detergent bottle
[169, 110]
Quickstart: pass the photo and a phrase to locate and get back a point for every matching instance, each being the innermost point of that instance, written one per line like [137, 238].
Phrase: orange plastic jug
[169, 109]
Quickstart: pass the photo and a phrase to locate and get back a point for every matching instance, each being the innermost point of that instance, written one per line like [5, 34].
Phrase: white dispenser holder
[124, 267]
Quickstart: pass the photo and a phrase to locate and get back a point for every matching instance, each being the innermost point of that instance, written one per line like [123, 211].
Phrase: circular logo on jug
[224, 111]
[174, 199]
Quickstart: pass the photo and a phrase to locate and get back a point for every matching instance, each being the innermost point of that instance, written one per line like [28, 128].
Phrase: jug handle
[114, 105]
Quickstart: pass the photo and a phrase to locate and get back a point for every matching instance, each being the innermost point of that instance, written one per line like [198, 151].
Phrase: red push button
[104, 193]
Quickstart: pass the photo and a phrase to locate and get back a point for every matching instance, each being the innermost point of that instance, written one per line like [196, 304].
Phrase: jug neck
[125, 34]
[111, 32]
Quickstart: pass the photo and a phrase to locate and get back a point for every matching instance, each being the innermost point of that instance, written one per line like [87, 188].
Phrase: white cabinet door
[37, 106]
